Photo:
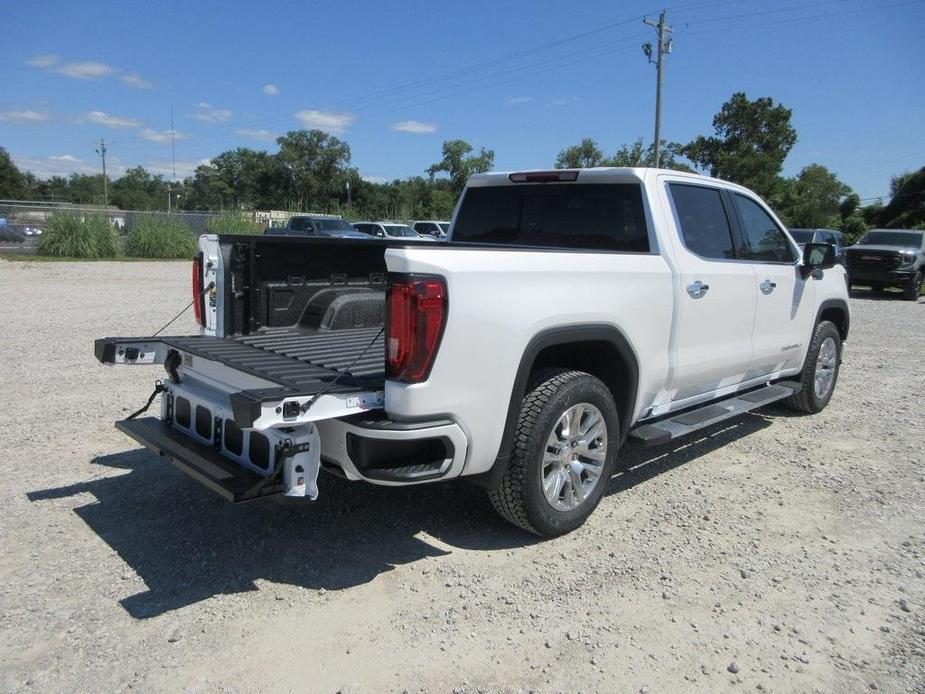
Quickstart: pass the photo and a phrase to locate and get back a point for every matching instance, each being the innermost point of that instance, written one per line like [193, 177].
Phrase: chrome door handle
[767, 286]
[697, 289]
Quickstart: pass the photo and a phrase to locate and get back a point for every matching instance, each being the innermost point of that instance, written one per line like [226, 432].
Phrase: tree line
[312, 171]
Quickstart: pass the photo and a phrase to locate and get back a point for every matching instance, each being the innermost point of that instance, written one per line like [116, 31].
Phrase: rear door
[717, 293]
[784, 315]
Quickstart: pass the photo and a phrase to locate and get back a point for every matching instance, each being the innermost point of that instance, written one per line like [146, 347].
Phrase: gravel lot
[778, 553]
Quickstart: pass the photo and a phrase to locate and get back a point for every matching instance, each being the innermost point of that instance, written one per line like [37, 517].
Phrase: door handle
[698, 289]
[767, 286]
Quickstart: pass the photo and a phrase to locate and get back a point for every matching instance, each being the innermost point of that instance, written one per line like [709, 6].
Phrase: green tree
[137, 189]
[906, 207]
[581, 156]
[12, 181]
[316, 167]
[751, 141]
[458, 166]
[812, 199]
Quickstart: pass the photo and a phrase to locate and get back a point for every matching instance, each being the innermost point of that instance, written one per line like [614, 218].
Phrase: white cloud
[270, 89]
[328, 121]
[374, 179]
[414, 126]
[43, 60]
[263, 135]
[110, 121]
[561, 101]
[88, 70]
[514, 100]
[165, 167]
[25, 116]
[133, 79]
[46, 167]
[161, 136]
[205, 113]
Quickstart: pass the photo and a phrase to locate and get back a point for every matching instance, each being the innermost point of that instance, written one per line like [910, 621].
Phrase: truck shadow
[188, 545]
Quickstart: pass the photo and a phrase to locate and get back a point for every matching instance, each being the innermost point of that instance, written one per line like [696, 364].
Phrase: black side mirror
[818, 256]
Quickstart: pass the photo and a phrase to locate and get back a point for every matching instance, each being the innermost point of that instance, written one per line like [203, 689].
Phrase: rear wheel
[820, 370]
[565, 446]
[914, 287]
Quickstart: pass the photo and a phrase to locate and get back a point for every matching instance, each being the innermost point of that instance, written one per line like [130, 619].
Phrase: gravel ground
[777, 553]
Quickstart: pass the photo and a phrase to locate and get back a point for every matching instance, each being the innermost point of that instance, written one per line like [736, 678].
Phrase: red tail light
[416, 312]
[197, 289]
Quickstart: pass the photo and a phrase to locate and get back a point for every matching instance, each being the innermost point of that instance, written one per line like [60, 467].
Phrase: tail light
[416, 313]
[197, 289]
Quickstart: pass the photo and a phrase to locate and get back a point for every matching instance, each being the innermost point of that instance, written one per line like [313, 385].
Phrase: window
[333, 225]
[764, 239]
[555, 215]
[299, 223]
[444, 227]
[426, 228]
[370, 229]
[704, 224]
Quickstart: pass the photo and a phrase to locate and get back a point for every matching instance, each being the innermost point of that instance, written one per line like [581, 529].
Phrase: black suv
[888, 258]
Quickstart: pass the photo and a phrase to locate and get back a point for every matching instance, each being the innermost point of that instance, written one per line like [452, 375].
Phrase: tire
[521, 497]
[808, 399]
[913, 288]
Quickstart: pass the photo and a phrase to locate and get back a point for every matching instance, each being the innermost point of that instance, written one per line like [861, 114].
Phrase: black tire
[806, 399]
[519, 497]
[913, 288]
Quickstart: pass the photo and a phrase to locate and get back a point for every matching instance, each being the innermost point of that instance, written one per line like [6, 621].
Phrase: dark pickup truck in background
[888, 258]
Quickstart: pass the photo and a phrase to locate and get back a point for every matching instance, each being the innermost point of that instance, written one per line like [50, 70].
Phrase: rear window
[594, 216]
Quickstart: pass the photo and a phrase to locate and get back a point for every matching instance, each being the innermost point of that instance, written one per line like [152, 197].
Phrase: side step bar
[227, 478]
[676, 425]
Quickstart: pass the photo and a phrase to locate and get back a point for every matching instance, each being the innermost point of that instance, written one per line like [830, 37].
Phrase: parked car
[434, 228]
[570, 311]
[833, 236]
[318, 226]
[888, 258]
[391, 230]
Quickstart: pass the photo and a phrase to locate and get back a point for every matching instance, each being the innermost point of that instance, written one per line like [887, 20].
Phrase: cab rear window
[607, 217]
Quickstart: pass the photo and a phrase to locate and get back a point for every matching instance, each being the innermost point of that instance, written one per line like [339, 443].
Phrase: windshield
[891, 238]
[802, 235]
[334, 225]
[400, 230]
[444, 227]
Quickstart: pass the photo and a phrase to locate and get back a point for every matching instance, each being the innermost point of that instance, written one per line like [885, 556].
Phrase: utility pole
[173, 157]
[664, 47]
[102, 152]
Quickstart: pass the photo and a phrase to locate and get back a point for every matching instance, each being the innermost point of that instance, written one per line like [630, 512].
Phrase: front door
[784, 315]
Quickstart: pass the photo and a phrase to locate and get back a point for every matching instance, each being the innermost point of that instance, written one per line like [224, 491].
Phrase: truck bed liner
[297, 359]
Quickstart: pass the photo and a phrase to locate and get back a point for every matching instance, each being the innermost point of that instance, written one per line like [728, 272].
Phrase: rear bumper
[386, 452]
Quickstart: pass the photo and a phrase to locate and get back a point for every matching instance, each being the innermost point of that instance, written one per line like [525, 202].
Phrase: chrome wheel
[826, 361]
[576, 449]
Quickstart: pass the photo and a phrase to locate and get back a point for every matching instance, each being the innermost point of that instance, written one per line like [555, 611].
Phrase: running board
[709, 413]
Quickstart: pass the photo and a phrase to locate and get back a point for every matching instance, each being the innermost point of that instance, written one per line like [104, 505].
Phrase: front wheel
[565, 446]
[820, 370]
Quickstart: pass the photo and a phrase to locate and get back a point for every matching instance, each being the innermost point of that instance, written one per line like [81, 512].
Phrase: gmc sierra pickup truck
[569, 312]
[889, 258]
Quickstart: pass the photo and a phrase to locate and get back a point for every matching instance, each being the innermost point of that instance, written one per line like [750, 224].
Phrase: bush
[150, 237]
[233, 224]
[69, 236]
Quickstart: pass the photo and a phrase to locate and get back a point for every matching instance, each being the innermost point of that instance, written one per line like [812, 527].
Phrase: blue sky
[396, 79]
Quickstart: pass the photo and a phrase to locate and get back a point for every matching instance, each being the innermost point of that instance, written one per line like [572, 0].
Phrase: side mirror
[817, 256]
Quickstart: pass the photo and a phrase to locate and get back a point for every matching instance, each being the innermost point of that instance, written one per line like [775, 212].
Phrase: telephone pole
[664, 47]
[102, 152]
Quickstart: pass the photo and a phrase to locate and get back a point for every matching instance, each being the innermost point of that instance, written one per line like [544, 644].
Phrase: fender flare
[841, 305]
[562, 335]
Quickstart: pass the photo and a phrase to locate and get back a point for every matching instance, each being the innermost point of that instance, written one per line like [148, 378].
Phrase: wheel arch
[836, 311]
[599, 349]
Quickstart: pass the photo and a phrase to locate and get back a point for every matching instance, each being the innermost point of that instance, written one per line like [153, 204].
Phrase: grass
[233, 224]
[70, 236]
[161, 239]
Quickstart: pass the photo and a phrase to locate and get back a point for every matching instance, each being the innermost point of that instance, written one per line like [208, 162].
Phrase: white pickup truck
[570, 311]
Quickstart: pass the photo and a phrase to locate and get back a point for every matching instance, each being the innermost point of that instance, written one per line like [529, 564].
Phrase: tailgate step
[705, 415]
[227, 478]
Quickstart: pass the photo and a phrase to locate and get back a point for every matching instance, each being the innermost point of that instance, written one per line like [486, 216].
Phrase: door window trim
[730, 220]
